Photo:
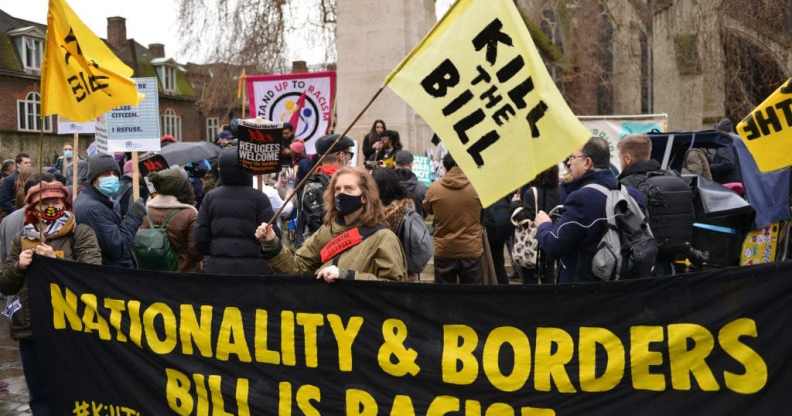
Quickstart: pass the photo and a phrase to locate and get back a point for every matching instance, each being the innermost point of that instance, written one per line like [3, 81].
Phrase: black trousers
[465, 271]
[497, 237]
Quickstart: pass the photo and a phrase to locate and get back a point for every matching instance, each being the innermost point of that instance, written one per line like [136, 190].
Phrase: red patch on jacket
[340, 244]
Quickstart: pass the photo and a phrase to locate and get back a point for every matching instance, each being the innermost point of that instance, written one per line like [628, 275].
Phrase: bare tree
[232, 35]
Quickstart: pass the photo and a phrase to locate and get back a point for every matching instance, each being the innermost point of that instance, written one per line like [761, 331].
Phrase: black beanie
[100, 164]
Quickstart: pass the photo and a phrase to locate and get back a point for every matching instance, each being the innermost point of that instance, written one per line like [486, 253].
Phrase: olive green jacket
[379, 257]
[76, 242]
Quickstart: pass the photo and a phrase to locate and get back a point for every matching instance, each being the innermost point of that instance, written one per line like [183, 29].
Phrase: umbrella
[182, 153]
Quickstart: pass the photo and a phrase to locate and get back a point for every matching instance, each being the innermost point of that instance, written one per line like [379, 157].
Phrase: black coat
[227, 222]
[8, 193]
[573, 238]
[116, 234]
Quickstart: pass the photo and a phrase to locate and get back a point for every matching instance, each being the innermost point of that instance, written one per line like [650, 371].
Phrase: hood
[231, 172]
[640, 167]
[407, 178]
[454, 179]
[603, 177]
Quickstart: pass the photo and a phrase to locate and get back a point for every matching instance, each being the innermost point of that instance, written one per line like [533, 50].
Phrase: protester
[458, 234]
[389, 145]
[497, 221]
[63, 166]
[353, 242]
[669, 200]
[224, 139]
[8, 169]
[403, 219]
[288, 133]
[541, 194]
[723, 162]
[227, 221]
[312, 207]
[197, 172]
[172, 206]
[8, 188]
[415, 189]
[12, 224]
[370, 145]
[47, 211]
[96, 208]
[573, 238]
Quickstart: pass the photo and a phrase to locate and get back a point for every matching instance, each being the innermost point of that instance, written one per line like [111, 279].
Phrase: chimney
[157, 50]
[299, 66]
[116, 32]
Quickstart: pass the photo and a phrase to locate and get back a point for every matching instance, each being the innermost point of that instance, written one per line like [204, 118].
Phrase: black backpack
[628, 248]
[669, 204]
[312, 203]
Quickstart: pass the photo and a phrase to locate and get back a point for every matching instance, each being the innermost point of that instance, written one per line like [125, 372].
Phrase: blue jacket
[116, 234]
[8, 193]
[573, 238]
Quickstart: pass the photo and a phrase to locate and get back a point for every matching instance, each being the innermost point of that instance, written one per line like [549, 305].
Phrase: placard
[132, 128]
[66, 126]
[614, 128]
[260, 144]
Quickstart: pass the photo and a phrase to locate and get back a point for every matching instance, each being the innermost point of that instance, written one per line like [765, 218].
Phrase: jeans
[35, 376]
[464, 271]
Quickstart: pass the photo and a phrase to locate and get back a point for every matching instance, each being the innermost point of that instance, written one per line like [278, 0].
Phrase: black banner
[188, 344]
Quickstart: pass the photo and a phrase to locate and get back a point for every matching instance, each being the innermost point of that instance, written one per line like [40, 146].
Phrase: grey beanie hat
[100, 164]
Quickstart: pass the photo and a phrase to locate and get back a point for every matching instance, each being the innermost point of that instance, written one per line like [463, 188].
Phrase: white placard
[66, 126]
[132, 128]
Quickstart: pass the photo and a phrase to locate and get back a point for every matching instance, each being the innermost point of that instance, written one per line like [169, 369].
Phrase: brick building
[21, 57]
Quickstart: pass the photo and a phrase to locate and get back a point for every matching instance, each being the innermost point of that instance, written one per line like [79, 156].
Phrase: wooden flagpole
[75, 162]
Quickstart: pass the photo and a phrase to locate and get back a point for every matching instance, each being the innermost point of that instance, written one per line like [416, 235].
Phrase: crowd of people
[374, 222]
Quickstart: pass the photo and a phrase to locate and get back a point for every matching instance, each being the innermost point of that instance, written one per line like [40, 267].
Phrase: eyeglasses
[568, 160]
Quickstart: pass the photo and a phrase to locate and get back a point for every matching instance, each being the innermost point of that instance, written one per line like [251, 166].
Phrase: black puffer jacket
[227, 222]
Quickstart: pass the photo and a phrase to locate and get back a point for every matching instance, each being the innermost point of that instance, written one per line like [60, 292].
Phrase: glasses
[569, 160]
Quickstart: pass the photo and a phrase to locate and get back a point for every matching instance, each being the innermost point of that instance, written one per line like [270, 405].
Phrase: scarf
[62, 226]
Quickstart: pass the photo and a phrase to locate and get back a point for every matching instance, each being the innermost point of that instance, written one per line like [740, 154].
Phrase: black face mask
[347, 204]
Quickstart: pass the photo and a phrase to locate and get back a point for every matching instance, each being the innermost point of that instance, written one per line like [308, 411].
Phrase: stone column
[372, 37]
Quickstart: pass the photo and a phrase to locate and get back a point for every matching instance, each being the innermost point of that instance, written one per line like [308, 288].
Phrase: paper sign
[66, 126]
[132, 128]
[260, 146]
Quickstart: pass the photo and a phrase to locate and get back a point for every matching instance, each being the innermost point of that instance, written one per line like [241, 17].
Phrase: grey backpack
[416, 240]
[628, 248]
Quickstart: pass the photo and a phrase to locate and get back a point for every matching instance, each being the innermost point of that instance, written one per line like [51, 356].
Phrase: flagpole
[75, 160]
[322, 158]
[135, 176]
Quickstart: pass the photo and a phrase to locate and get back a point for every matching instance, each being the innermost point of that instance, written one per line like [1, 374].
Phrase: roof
[137, 56]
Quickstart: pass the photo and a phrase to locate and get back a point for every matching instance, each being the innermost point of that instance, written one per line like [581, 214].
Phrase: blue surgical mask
[108, 185]
[67, 154]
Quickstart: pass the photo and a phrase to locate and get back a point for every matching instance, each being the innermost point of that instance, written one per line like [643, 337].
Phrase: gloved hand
[137, 210]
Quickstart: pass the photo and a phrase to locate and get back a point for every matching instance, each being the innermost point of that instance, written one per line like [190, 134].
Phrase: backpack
[312, 203]
[526, 246]
[417, 242]
[152, 247]
[628, 248]
[669, 202]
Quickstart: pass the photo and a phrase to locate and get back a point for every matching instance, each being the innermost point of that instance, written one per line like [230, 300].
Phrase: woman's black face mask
[346, 204]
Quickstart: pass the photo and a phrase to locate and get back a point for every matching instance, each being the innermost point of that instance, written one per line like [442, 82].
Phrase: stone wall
[372, 37]
[13, 142]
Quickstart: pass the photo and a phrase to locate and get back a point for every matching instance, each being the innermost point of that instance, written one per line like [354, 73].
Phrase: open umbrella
[184, 152]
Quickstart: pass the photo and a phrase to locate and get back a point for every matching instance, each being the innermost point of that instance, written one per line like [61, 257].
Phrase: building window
[171, 124]
[212, 127]
[32, 50]
[28, 111]
[167, 76]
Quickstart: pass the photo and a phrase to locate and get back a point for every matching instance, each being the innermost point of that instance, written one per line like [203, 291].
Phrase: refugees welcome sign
[156, 343]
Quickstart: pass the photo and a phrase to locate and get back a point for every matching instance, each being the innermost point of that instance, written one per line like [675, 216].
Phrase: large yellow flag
[82, 78]
[478, 80]
[767, 131]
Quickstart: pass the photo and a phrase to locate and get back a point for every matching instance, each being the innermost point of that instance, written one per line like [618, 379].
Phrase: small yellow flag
[81, 78]
[767, 131]
[479, 81]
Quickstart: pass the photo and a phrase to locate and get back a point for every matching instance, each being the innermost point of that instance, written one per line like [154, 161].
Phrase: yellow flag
[478, 80]
[767, 131]
[82, 78]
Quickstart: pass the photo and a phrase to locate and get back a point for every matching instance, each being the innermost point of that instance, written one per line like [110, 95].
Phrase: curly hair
[389, 184]
[372, 209]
